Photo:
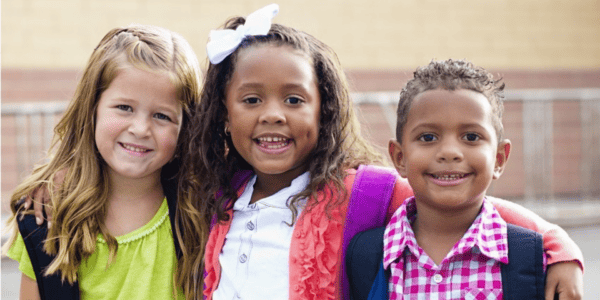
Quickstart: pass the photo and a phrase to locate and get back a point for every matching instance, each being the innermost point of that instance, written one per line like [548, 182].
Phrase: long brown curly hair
[79, 203]
[211, 160]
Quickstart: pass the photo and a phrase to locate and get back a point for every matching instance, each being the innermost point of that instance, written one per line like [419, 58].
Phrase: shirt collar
[278, 199]
[488, 234]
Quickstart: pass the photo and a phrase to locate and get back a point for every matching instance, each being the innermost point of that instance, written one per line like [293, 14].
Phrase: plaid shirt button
[437, 278]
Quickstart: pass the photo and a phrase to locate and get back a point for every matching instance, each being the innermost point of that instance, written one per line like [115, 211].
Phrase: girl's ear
[501, 158]
[397, 156]
[226, 127]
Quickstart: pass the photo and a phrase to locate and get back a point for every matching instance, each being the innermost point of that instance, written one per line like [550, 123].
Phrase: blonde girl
[118, 147]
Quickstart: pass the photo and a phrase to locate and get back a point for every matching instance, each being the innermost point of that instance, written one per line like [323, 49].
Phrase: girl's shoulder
[18, 252]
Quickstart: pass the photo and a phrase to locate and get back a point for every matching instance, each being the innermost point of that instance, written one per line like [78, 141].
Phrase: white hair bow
[224, 42]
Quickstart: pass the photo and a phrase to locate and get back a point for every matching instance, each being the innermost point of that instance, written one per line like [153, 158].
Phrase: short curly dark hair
[452, 75]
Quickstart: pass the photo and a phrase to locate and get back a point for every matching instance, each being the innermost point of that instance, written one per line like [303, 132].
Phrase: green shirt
[143, 269]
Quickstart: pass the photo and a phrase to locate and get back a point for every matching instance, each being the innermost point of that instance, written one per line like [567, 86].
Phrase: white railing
[33, 125]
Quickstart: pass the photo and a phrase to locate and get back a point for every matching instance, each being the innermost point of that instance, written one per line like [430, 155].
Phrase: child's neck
[267, 184]
[437, 231]
[132, 203]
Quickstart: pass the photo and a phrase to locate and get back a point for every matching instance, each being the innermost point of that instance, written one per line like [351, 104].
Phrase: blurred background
[548, 53]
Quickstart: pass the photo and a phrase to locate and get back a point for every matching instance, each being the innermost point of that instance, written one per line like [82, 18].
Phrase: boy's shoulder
[522, 278]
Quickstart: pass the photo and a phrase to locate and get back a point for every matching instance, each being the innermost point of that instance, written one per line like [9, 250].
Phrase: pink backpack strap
[369, 201]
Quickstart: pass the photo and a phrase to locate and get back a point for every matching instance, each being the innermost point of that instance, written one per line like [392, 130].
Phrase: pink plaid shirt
[470, 271]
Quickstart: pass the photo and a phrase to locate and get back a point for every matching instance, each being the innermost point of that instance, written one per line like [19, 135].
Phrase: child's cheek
[169, 139]
[110, 126]
[114, 125]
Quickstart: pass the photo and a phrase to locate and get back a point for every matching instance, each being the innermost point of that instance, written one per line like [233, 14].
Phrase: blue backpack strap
[367, 208]
[364, 262]
[523, 277]
[379, 290]
[49, 287]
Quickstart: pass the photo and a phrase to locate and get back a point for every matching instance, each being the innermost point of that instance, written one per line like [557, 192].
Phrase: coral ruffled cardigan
[316, 255]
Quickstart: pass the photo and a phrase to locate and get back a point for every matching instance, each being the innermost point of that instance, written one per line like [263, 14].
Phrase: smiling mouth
[272, 142]
[134, 149]
[449, 177]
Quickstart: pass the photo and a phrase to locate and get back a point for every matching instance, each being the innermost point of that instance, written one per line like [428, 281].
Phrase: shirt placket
[440, 280]
[245, 251]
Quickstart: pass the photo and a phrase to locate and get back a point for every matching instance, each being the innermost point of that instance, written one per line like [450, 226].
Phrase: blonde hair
[79, 202]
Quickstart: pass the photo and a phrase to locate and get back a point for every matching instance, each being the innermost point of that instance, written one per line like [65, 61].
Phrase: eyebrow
[161, 106]
[251, 85]
[435, 126]
[420, 127]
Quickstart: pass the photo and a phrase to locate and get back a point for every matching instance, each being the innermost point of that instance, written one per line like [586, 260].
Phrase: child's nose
[140, 127]
[273, 113]
[450, 151]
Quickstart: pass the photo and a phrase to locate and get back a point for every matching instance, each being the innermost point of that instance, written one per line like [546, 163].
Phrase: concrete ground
[583, 226]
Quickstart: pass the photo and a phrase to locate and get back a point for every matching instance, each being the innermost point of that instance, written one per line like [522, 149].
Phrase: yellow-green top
[143, 269]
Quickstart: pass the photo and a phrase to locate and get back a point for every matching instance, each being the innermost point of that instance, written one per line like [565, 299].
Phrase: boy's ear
[501, 157]
[397, 156]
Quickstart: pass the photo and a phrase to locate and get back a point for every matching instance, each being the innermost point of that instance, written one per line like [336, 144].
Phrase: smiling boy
[449, 241]
[450, 148]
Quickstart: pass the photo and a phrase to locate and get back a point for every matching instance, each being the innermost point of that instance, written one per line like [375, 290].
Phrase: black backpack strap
[170, 191]
[523, 277]
[364, 258]
[50, 287]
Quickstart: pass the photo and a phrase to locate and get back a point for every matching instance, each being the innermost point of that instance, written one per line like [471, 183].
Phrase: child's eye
[471, 137]
[293, 100]
[427, 137]
[251, 100]
[162, 116]
[125, 107]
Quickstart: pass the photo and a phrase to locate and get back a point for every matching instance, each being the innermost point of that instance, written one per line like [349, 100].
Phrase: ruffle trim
[140, 235]
[319, 241]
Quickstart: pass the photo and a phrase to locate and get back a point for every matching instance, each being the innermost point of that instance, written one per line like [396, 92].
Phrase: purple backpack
[371, 194]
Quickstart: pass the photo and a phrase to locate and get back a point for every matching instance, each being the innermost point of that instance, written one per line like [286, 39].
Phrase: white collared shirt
[255, 258]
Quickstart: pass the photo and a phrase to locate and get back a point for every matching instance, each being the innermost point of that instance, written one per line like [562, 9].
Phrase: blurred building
[548, 52]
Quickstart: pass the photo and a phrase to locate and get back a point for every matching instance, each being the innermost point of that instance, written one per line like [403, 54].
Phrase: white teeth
[275, 146]
[271, 139]
[449, 177]
[131, 148]
[281, 142]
